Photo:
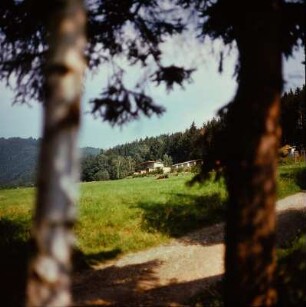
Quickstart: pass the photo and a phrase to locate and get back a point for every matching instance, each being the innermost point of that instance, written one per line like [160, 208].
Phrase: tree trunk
[49, 268]
[254, 134]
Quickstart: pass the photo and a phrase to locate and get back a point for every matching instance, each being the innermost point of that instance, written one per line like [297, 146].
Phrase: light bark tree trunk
[58, 174]
[254, 134]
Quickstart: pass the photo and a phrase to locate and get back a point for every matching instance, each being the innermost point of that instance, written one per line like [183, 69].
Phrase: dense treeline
[122, 160]
[293, 118]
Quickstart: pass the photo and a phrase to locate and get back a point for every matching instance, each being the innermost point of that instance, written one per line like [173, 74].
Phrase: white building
[187, 164]
[150, 166]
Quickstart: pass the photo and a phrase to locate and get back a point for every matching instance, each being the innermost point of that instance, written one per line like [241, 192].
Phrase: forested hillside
[18, 161]
[120, 161]
[18, 156]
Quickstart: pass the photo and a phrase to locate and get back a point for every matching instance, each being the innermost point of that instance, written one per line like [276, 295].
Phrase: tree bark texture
[254, 134]
[49, 268]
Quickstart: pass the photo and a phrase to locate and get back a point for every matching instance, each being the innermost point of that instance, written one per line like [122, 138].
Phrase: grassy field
[291, 179]
[117, 217]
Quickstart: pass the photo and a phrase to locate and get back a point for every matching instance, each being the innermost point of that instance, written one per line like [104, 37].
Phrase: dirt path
[168, 274]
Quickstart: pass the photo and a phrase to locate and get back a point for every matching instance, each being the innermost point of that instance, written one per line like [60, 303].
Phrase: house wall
[158, 165]
[150, 167]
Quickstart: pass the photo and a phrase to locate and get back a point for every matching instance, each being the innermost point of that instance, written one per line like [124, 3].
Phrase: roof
[147, 162]
[150, 162]
[187, 162]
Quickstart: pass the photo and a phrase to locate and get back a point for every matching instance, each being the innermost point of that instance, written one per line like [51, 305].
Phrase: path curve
[168, 274]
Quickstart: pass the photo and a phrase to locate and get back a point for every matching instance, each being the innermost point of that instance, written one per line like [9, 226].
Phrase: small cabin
[150, 166]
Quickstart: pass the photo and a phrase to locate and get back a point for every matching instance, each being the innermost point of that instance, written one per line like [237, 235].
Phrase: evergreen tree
[167, 160]
[293, 118]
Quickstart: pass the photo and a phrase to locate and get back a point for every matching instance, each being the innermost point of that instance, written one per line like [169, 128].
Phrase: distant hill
[18, 159]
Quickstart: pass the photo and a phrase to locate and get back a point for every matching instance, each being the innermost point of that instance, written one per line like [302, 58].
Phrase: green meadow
[116, 217]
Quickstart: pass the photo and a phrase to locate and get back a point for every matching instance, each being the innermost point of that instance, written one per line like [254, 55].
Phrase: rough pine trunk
[58, 174]
[254, 134]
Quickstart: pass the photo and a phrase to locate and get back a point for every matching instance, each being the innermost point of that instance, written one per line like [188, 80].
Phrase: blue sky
[198, 102]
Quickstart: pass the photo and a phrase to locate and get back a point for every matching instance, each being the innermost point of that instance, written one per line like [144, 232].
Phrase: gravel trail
[168, 274]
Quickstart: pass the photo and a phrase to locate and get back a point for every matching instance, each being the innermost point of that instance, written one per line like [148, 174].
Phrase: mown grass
[117, 217]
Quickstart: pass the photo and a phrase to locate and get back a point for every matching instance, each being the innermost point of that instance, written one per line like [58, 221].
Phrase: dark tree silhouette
[247, 146]
[251, 170]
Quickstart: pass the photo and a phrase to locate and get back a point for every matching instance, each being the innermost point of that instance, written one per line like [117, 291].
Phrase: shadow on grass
[84, 261]
[182, 213]
[291, 273]
[298, 175]
[291, 277]
[14, 253]
[290, 224]
[301, 178]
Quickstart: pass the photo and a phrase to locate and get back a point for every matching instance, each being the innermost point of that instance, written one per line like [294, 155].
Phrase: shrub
[180, 169]
[165, 176]
[284, 151]
[101, 175]
[157, 171]
[140, 175]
